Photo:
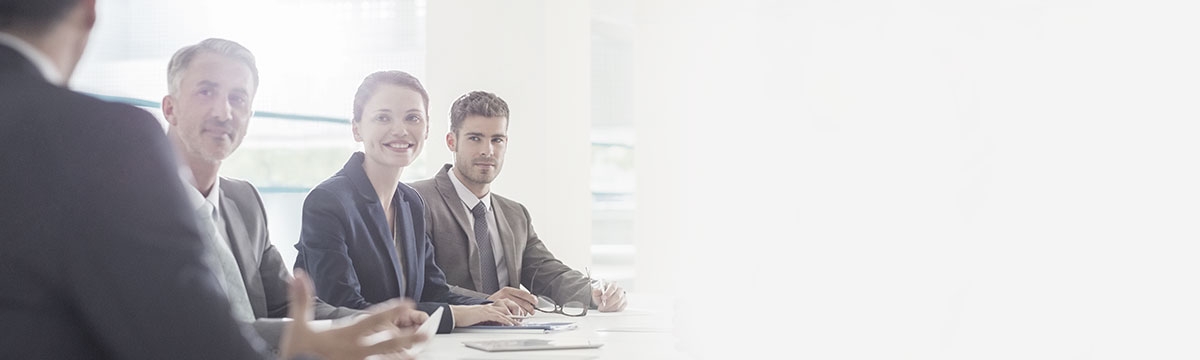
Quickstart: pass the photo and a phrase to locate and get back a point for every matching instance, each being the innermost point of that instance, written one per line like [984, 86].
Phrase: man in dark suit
[102, 255]
[211, 89]
[485, 242]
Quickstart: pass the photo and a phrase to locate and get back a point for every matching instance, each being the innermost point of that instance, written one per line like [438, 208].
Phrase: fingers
[296, 338]
[610, 290]
[504, 306]
[409, 318]
[498, 314]
[526, 308]
[525, 300]
[408, 315]
[510, 306]
[618, 305]
[501, 318]
[522, 297]
[467, 315]
[609, 297]
[601, 293]
[416, 318]
[300, 296]
[615, 303]
[384, 319]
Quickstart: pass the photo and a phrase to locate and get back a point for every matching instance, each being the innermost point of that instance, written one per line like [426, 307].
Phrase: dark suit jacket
[347, 246]
[529, 262]
[102, 253]
[262, 267]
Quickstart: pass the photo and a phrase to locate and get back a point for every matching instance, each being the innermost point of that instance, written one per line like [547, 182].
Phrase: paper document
[528, 325]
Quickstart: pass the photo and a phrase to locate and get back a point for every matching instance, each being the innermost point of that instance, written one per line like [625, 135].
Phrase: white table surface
[643, 331]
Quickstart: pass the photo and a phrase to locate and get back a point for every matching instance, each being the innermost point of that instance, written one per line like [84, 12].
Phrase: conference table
[643, 331]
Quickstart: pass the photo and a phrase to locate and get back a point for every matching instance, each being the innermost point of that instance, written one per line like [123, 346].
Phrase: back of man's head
[33, 16]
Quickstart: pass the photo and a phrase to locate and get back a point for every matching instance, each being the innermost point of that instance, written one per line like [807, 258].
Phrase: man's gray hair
[183, 58]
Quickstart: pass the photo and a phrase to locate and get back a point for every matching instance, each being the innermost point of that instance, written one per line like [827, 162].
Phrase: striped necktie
[487, 256]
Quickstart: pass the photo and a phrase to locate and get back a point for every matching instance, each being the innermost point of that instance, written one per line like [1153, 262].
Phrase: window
[300, 134]
[613, 180]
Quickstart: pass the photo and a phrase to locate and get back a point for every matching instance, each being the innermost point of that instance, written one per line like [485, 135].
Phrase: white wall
[922, 180]
[535, 55]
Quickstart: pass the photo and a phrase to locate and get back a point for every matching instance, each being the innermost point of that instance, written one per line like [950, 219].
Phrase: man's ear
[168, 109]
[450, 142]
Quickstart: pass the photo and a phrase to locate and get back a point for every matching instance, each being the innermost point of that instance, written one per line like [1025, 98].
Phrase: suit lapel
[509, 243]
[383, 234]
[410, 248]
[459, 212]
[239, 241]
[376, 220]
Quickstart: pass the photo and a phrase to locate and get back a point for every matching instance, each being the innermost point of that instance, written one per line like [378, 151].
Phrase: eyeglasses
[573, 308]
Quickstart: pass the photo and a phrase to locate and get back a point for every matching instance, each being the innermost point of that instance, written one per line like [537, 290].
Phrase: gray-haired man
[211, 89]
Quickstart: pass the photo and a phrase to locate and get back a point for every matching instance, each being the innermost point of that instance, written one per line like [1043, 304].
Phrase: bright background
[810, 179]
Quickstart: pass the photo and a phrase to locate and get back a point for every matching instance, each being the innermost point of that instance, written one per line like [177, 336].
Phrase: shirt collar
[35, 56]
[194, 197]
[468, 198]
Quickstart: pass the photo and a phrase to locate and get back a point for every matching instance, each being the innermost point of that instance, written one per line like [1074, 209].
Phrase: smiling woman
[362, 233]
[390, 120]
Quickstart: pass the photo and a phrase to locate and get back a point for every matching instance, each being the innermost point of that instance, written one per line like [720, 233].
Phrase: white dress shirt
[35, 56]
[213, 199]
[469, 200]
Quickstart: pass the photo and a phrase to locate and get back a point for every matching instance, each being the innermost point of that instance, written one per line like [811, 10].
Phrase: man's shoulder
[54, 105]
[238, 186]
[94, 137]
[501, 199]
[239, 190]
[426, 187]
[511, 209]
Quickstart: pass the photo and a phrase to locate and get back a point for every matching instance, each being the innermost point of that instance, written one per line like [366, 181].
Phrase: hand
[509, 306]
[609, 297]
[343, 342]
[410, 319]
[467, 315]
[523, 299]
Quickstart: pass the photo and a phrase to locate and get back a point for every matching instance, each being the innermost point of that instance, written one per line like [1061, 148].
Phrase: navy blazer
[347, 248]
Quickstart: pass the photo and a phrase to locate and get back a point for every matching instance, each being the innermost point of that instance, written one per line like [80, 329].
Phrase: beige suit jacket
[529, 262]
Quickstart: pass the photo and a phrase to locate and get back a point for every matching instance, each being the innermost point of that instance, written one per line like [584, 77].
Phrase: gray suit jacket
[261, 265]
[529, 262]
